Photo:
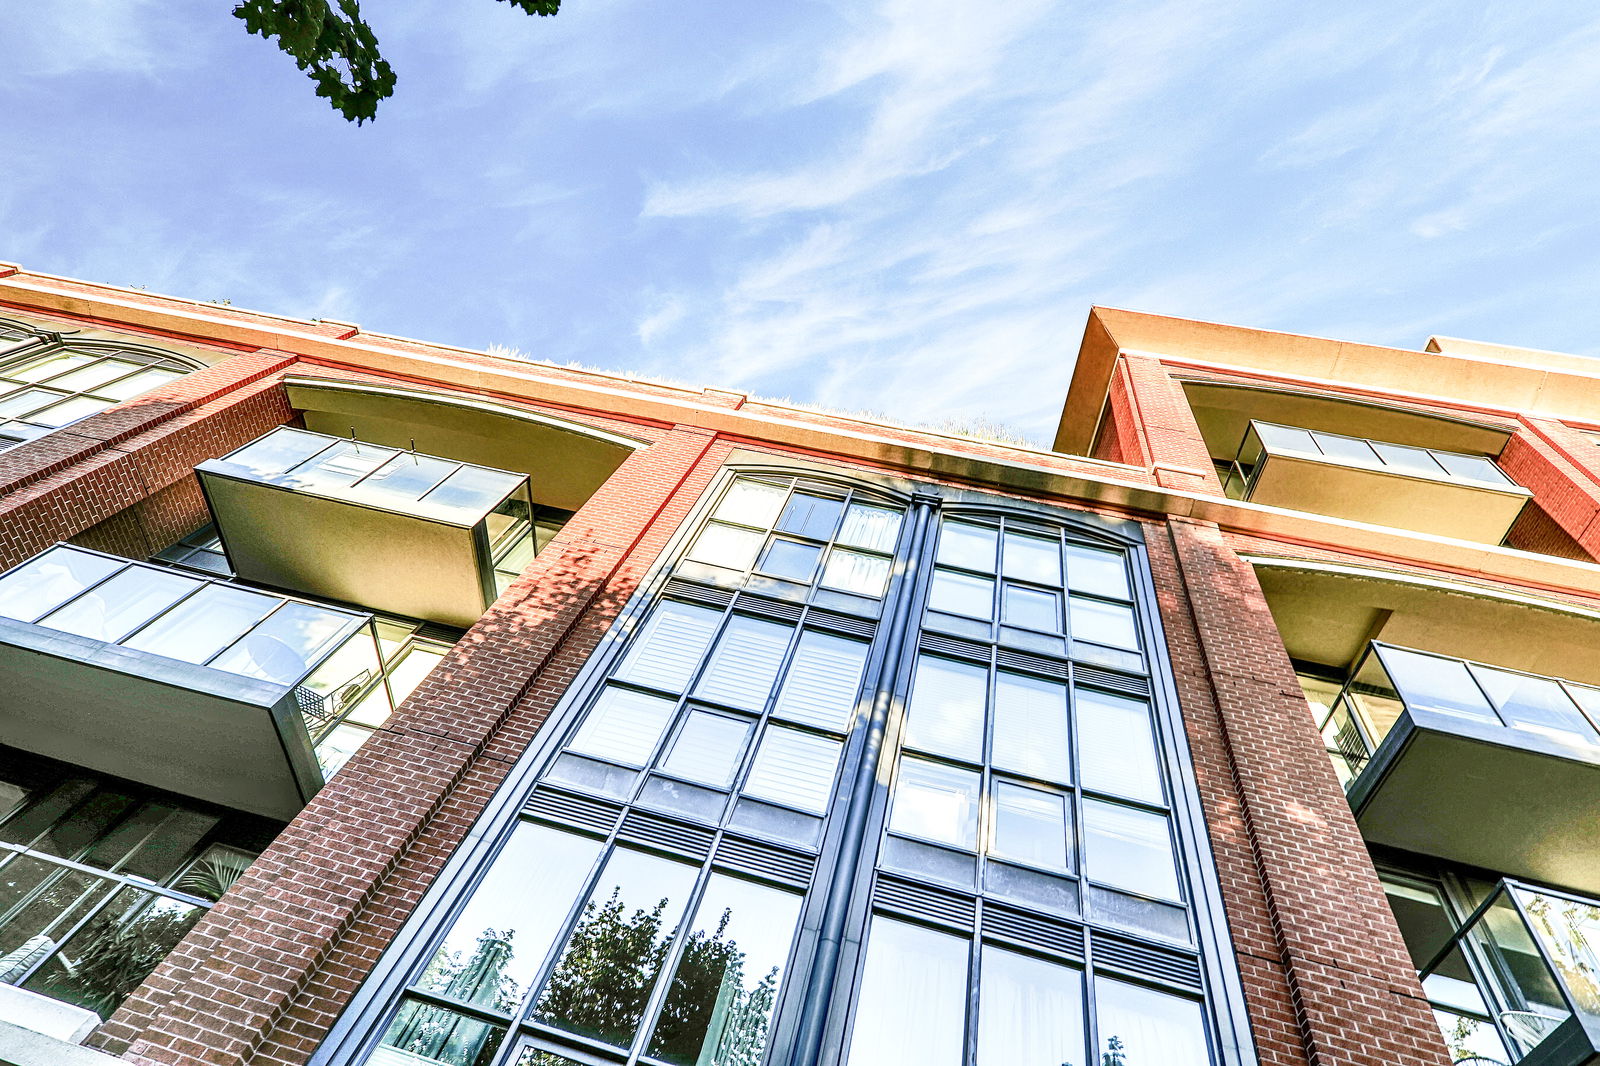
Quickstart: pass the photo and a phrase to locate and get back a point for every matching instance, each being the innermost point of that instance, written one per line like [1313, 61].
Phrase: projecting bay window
[675, 887]
[1450, 493]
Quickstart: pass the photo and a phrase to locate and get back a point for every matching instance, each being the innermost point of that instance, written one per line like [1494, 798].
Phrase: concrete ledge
[24, 1047]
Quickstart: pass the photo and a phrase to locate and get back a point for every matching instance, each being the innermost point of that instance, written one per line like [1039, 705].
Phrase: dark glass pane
[113, 954]
[158, 837]
[83, 826]
[1030, 1012]
[1142, 1027]
[53, 898]
[422, 1034]
[811, 516]
[44, 811]
[720, 1005]
[617, 949]
[911, 1010]
[214, 872]
[495, 948]
[792, 560]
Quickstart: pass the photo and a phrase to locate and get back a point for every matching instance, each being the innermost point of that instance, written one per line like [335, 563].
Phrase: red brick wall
[262, 977]
[1157, 414]
[1326, 975]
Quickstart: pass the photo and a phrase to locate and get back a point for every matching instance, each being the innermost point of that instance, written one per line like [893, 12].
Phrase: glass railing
[1266, 439]
[1523, 966]
[1392, 680]
[326, 656]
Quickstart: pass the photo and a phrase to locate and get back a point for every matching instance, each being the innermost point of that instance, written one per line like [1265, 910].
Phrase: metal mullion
[658, 994]
[1544, 951]
[128, 879]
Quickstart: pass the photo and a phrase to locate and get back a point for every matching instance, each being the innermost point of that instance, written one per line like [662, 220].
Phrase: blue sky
[897, 205]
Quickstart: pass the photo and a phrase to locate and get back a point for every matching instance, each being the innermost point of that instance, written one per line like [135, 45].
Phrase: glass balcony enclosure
[1519, 982]
[1449, 493]
[200, 687]
[1478, 764]
[390, 529]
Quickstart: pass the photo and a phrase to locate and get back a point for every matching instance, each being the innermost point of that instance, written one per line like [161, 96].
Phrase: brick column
[1559, 465]
[68, 482]
[1328, 980]
[264, 974]
[1162, 427]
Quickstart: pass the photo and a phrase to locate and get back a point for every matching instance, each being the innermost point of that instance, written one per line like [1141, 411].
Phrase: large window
[792, 766]
[51, 384]
[100, 878]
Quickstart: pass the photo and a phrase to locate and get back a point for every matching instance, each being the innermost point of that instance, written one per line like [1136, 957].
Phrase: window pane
[134, 384]
[707, 748]
[615, 952]
[1030, 727]
[936, 802]
[278, 451]
[1536, 704]
[1117, 747]
[1345, 449]
[495, 948]
[945, 715]
[1148, 1028]
[1408, 460]
[719, 1007]
[1472, 468]
[752, 503]
[40, 369]
[17, 403]
[745, 662]
[850, 571]
[1285, 438]
[912, 1007]
[341, 466]
[85, 378]
[623, 726]
[794, 768]
[121, 604]
[1429, 683]
[728, 546]
[1030, 1012]
[962, 594]
[1032, 559]
[203, 624]
[871, 527]
[1129, 849]
[1103, 623]
[823, 680]
[1032, 609]
[51, 579]
[286, 645]
[792, 560]
[1100, 573]
[967, 546]
[406, 478]
[669, 646]
[422, 1034]
[811, 516]
[1030, 826]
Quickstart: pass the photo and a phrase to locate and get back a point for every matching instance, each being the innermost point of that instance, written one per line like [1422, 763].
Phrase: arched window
[48, 380]
[867, 780]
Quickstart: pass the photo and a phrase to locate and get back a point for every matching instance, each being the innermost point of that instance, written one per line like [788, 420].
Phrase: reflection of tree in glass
[600, 986]
[1114, 1055]
[481, 978]
[709, 1019]
[108, 960]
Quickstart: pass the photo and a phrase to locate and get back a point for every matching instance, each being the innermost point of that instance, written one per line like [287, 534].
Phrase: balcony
[1447, 493]
[1476, 764]
[200, 687]
[393, 530]
[1519, 983]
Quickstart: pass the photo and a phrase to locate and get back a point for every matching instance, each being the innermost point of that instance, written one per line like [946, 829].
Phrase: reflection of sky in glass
[946, 711]
[1129, 849]
[912, 1007]
[752, 503]
[49, 580]
[1030, 1012]
[121, 604]
[527, 893]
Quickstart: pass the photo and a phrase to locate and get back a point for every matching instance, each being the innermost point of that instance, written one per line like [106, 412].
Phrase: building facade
[369, 701]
